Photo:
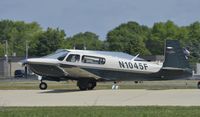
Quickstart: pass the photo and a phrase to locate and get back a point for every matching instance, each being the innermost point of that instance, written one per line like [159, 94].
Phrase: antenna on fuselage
[84, 47]
[135, 57]
[74, 47]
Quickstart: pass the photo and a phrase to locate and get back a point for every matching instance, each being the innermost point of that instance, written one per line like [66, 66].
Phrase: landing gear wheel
[86, 84]
[82, 88]
[91, 85]
[198, 85]
[43, 85]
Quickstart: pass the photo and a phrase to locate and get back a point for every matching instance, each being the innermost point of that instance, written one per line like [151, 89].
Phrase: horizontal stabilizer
[172, 68]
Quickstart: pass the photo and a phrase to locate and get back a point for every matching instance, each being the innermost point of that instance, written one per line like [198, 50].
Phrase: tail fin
[174, 55]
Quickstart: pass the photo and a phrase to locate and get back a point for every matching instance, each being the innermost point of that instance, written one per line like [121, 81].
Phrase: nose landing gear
[43, 85]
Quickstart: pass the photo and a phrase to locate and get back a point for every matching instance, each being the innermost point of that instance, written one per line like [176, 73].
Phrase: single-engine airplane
[88, 67]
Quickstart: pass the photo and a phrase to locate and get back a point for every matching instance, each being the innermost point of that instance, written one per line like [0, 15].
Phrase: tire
[86, 84]
[43, 86]
[82, 85]
[198, 85]
[91, 85]
[82, 88]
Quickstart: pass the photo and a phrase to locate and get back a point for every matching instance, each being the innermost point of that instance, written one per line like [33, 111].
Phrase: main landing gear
[43, 85]
[86, 84]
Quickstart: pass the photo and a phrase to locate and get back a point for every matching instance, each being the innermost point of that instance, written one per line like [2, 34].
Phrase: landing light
[170, 48]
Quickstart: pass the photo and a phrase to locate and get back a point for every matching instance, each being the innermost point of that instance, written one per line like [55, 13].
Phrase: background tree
[193, 41]
[2, 49]
[49, 41]
[159, 33]
[88, 39]
[17, 33]
[128, 38]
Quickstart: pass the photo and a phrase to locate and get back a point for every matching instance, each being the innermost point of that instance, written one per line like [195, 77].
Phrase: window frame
[101, 60]
[76, 61]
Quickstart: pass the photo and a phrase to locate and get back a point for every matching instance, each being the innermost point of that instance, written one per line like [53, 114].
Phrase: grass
[149, 111]
[33, 84]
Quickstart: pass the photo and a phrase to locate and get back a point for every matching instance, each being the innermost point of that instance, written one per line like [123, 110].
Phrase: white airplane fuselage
[81, 69]
[88, 67]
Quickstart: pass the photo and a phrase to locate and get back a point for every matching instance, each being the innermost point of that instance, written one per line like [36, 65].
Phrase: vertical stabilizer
[175, 56]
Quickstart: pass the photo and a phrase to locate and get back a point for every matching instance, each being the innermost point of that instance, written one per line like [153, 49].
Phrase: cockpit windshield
[59, 54]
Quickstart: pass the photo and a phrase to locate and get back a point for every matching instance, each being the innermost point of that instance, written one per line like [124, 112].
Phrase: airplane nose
[45, 67]
[24, 62]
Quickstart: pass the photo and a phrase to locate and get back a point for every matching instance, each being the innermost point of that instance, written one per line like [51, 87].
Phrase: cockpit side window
[93, 60]
[73, 58]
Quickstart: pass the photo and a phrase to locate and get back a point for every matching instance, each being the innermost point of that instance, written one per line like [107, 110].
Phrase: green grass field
[33, 84]
[149, 111]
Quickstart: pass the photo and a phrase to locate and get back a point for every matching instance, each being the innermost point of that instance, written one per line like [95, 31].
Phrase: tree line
[130, 37]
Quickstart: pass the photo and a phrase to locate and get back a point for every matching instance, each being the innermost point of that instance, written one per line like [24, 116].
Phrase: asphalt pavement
[133, 97]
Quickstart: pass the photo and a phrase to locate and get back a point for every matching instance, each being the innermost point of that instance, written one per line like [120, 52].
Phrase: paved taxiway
[179, 97]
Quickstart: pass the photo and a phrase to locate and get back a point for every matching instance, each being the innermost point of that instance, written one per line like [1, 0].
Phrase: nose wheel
[43, 86]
